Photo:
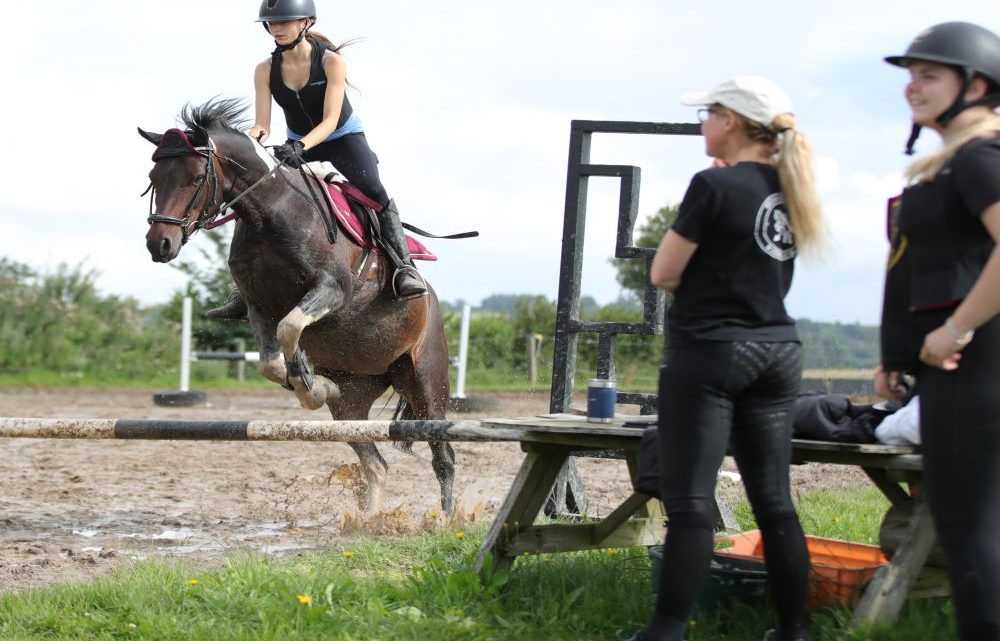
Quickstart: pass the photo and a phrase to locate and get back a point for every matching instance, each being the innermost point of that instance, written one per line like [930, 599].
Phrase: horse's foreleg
[272, 365]
[312, 392]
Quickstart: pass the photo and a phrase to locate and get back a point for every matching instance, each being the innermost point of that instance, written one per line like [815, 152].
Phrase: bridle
[176, 144]
[179, 145]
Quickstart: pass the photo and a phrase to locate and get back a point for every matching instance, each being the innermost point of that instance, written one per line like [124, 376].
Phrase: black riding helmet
[280, 10]
[970, 49]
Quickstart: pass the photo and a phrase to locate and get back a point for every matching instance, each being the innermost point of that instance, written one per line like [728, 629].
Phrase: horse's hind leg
[312, 391]
[359, 392]
[442, 462]
[422, 378]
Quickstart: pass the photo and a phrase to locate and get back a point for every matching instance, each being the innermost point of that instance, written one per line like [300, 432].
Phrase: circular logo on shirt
[773, 230]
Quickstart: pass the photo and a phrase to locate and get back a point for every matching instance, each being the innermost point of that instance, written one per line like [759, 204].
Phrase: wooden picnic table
[640, 520]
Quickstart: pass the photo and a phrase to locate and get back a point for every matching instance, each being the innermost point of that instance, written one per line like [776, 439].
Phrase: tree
[208, 287]
[632, 272]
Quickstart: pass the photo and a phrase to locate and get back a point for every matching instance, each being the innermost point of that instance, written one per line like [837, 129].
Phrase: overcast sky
[468, 106]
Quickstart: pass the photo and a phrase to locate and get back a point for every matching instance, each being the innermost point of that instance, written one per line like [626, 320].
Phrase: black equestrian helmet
[278, 10]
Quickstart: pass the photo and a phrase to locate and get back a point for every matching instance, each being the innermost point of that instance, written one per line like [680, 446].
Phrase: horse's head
[186, 189]
[187, 181]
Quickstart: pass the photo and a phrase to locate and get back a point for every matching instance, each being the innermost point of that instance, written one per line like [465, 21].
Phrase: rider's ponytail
[319, 40]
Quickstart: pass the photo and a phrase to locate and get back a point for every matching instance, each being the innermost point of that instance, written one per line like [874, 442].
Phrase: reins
[212, 220]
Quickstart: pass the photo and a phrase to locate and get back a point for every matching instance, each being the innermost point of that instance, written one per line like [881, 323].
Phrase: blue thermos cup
[601, 397]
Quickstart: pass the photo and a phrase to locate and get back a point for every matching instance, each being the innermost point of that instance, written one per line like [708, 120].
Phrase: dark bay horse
[305, 294]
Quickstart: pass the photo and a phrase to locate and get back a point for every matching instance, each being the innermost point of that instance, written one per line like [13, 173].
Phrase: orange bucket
[840, 569]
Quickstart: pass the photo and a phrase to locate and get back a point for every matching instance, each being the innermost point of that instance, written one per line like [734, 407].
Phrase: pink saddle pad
[341, 210]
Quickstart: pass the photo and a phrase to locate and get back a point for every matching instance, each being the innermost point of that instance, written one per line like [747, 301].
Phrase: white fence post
[186, 345]
[463, 352]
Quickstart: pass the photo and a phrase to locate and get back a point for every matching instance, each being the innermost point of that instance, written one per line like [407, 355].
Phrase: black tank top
[304, 108]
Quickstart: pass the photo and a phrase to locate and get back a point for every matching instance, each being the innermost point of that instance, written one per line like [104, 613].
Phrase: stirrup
[417, 292]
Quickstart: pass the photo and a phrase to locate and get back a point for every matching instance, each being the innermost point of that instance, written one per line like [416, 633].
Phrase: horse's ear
[151, 137]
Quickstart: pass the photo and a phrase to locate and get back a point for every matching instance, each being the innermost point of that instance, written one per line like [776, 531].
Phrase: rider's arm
[333, 100]
[671, 258]
[262, 104]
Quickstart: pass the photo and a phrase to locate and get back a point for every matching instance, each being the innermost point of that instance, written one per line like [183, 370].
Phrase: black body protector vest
[938, 250]
[304, 108]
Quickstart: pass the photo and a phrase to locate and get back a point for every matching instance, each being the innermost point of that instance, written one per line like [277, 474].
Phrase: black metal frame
[568, 323]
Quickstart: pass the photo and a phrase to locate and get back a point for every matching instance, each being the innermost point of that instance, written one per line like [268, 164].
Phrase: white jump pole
[463, 352]
[186, 345]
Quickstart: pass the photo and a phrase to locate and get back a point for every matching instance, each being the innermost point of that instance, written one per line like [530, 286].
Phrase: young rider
[941, 311]
[307, 76]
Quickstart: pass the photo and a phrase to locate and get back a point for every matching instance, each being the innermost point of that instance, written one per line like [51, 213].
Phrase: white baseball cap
[759, 99]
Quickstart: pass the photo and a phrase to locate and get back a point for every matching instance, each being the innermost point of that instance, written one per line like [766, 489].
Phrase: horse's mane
[224, 113]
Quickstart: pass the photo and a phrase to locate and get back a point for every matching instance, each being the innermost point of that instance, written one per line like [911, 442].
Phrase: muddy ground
[72, 509]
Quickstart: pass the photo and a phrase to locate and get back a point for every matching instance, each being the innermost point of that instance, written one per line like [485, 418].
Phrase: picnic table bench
[640, 520]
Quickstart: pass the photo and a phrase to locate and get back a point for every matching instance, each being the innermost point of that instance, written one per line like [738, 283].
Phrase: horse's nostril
[165, 247]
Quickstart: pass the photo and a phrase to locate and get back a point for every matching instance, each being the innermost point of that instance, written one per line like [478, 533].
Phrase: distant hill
[838, 346]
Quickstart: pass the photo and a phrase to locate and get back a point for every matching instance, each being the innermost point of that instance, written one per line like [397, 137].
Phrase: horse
[307, 296]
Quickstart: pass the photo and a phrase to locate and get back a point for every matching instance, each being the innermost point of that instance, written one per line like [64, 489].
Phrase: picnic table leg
[569, 484]
[891, 489]
[524, 501]
[885, 595]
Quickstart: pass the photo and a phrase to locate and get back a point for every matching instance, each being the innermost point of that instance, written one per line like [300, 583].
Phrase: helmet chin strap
[291, 45]
[294, 43]
[949, 114]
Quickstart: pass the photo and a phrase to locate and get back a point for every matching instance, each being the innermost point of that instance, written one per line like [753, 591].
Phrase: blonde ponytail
[926, 169]
[794, 161]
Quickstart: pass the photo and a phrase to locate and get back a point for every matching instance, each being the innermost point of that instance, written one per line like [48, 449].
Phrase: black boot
[406, 281]
[233, 310]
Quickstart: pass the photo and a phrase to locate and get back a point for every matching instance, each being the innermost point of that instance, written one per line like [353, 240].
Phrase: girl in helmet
[733, 364]
[941, 311]
[307, 76]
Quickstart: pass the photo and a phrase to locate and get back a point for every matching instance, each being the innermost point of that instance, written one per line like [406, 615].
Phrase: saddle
[352, 211]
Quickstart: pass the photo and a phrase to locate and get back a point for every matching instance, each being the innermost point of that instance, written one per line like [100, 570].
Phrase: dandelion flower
[612, 551]
[459, 535]
[193, 582]
[305, 599]
[348, 554]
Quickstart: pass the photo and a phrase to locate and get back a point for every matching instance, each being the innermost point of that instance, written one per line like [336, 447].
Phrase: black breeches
[352, 157]
[960, 431]
[737, 395]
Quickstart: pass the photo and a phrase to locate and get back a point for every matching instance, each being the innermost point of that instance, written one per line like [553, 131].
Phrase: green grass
[420, 588]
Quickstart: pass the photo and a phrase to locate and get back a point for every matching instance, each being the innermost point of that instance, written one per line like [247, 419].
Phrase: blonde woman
[734, 361]
[941, 312]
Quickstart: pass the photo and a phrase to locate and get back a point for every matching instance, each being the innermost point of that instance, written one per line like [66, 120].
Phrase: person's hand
[890, 385]
[942, 350]
[258, 133]
[291, 153]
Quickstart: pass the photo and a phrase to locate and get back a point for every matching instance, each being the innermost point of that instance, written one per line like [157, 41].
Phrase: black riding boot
[406, 281]
[233, 310]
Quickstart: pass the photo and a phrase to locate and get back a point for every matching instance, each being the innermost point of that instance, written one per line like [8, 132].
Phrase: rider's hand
[890, 385]
[258, 133]
[291, 153]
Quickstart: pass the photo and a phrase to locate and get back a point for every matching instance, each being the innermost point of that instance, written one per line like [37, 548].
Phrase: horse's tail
[404, 411]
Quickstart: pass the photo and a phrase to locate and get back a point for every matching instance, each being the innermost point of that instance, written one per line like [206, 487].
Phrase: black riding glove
[291, 153]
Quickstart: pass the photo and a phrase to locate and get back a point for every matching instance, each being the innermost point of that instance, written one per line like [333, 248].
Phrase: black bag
[647, 481]
[832, 417]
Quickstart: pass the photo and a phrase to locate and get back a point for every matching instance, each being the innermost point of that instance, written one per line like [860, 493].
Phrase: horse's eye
[197, 180]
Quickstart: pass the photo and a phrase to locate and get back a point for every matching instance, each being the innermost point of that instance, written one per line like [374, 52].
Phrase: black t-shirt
[948, 245]
[735, 284]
